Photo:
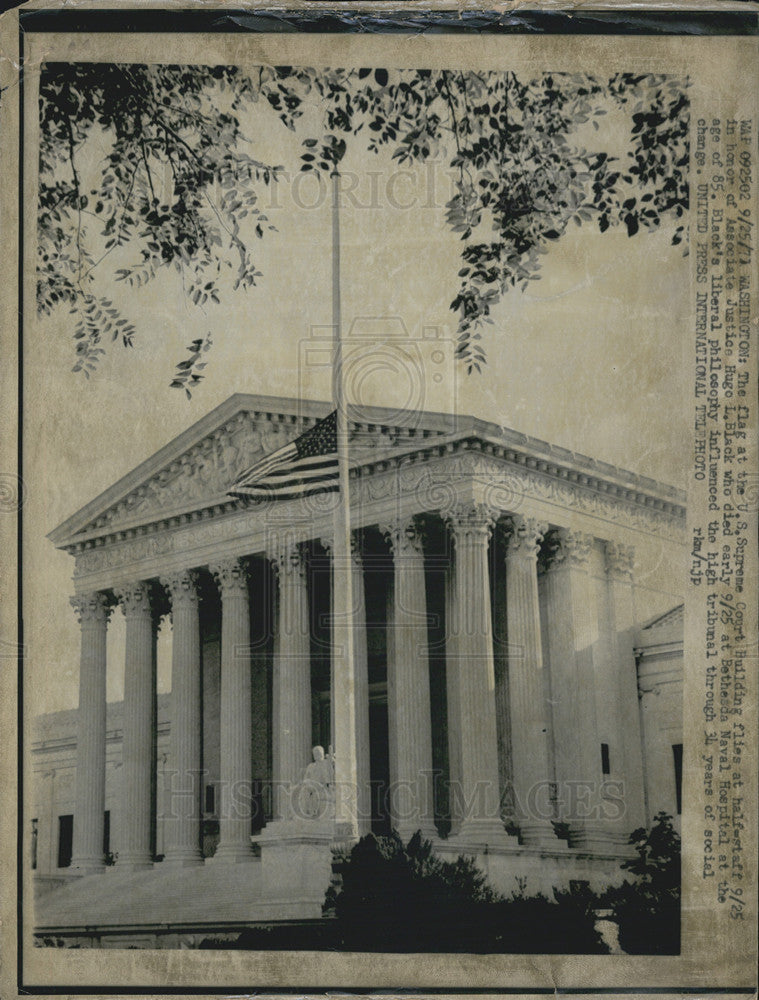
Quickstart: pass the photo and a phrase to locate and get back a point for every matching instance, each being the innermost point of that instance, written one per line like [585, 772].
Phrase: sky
[589, 358]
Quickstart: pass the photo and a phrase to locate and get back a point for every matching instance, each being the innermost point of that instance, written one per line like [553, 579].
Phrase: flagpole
[343, 680]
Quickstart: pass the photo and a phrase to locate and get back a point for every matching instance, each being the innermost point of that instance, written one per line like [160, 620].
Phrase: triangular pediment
[194, 471]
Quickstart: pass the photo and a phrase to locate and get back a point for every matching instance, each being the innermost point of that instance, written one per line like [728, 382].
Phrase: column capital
[620, 560]
[231, 576]
[472, 522]
[288, 559]
[92, 608]
[357, 545]
[135, 599]
[182, 586]
[567, 547]
[523, 536]
[405, 536]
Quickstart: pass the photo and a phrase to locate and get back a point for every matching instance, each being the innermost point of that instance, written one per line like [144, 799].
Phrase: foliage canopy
[179, 189]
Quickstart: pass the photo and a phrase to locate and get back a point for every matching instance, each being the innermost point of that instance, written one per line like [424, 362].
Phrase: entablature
[431, 479]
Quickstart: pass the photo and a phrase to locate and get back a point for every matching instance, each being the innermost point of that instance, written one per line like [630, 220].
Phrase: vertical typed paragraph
[724, 487]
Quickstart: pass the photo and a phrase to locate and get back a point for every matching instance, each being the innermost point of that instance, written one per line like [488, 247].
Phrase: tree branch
[147, 170]
[78, 195]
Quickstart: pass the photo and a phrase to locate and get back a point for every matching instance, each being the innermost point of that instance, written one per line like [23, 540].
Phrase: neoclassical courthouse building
[515, 689]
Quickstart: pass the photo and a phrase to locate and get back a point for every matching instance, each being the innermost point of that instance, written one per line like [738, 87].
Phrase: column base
[183, 859]
[481, 833]
[592, 838]
[232, 854]
[540, 835]
[126, 864]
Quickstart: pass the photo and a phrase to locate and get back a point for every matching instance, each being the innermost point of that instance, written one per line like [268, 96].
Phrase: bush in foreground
[398, 898]
[648, 909]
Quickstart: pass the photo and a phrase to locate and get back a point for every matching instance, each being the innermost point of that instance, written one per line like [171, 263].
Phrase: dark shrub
[648, 909]
[565, 924]
[406, 899]
[399, 899]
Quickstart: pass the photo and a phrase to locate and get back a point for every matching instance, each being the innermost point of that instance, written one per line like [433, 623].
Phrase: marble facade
[498, 586]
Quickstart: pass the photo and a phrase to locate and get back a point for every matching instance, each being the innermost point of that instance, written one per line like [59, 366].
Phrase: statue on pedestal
[318, 789]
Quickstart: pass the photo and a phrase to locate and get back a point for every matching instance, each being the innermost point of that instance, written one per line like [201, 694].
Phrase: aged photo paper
[379, 498]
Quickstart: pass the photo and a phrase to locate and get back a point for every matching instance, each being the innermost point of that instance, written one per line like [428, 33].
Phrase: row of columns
[537, 708]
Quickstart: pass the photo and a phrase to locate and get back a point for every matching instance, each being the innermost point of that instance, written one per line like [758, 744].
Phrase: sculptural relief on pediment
[204, 473]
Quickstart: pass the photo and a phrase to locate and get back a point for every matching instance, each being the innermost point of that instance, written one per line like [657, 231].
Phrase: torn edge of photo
[378, 498]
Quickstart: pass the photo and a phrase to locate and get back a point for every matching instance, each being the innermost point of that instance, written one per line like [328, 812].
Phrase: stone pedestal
[182, 823]
[408, 688]
[92, 611]
[296, 862]
[137, 801]
[235, 715]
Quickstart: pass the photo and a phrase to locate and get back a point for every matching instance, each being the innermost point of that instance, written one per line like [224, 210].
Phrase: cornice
[674, 647]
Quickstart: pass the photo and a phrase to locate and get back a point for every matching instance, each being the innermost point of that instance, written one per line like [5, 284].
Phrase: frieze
[506, 487]
[123, 553]
[196, 535]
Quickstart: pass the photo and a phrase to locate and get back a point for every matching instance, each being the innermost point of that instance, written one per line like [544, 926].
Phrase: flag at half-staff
[306, 465]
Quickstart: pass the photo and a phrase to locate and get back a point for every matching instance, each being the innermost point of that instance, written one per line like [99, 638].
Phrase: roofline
[662, 614]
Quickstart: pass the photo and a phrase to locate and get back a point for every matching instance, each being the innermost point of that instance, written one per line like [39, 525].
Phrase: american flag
[306, 465]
